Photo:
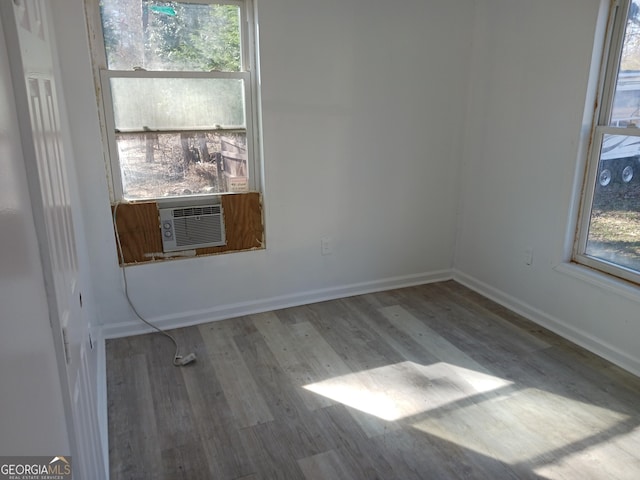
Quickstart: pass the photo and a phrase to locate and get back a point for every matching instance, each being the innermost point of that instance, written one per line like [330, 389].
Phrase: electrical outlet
[326, 245]
[528, 256]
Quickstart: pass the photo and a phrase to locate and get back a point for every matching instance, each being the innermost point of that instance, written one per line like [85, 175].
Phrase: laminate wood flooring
[428, 382]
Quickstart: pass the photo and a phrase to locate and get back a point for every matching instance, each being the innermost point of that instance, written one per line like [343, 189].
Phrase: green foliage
[197, 37]
[161, 35]
[171, 35]
[116, 18]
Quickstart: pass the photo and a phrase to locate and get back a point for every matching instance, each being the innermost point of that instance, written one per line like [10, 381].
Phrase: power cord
[178, 360]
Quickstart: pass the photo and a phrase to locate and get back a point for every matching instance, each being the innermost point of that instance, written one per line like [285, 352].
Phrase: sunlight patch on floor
[405, 389]
[611, 457]
[512, 425]
[525, 425]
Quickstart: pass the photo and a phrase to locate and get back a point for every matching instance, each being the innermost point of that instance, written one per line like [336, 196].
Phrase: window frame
[608, 77]
[248, 73]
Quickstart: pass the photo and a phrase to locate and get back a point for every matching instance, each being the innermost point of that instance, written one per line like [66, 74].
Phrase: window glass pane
[159, 165]
[614, 229]
[626, 103]
[176, 36]
[177, 103]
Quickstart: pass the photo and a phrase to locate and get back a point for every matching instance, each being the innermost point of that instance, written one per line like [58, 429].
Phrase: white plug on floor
[186, 360]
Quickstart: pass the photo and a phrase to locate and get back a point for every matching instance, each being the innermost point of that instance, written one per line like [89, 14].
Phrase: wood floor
[429, 382]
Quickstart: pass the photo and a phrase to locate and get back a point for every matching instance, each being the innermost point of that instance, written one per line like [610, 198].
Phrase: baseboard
[579, 337]
[101, 394]
[221, 312]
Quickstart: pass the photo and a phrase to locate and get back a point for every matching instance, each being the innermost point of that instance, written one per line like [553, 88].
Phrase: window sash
[589, 193]
[108, 75]
[248, 74]
[612, 53]
[108, 107]
[246, 32]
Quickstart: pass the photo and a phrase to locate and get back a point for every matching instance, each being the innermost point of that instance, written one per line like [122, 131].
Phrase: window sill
[601, 280]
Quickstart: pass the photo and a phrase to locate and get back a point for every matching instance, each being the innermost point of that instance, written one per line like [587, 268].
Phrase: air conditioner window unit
[189, 227]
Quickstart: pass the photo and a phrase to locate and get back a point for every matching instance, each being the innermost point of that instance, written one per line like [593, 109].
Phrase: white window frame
[610, 65]
[248, 74]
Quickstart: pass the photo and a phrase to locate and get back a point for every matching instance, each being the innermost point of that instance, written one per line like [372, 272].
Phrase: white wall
[363, 104]
[530, 105]
[32, 418]
[369, 109]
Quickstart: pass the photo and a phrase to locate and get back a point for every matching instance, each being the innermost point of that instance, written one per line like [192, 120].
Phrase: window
[609, 230]
[178, 83]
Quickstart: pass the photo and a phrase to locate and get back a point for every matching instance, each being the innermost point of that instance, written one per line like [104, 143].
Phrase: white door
[52, 188]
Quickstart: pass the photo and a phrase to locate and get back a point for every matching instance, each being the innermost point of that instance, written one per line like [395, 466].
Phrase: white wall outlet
[528, 256]
[326, 245]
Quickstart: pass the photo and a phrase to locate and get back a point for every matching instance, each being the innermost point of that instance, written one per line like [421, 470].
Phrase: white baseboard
[221, 312]
[579, 337]
[101, 395]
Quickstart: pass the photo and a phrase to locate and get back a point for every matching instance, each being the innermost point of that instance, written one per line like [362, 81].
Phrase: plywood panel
[139, 229]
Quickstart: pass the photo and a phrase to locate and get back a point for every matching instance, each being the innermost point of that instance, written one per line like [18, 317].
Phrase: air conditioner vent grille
[192, 227]
[196, 230]
[192, 211]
